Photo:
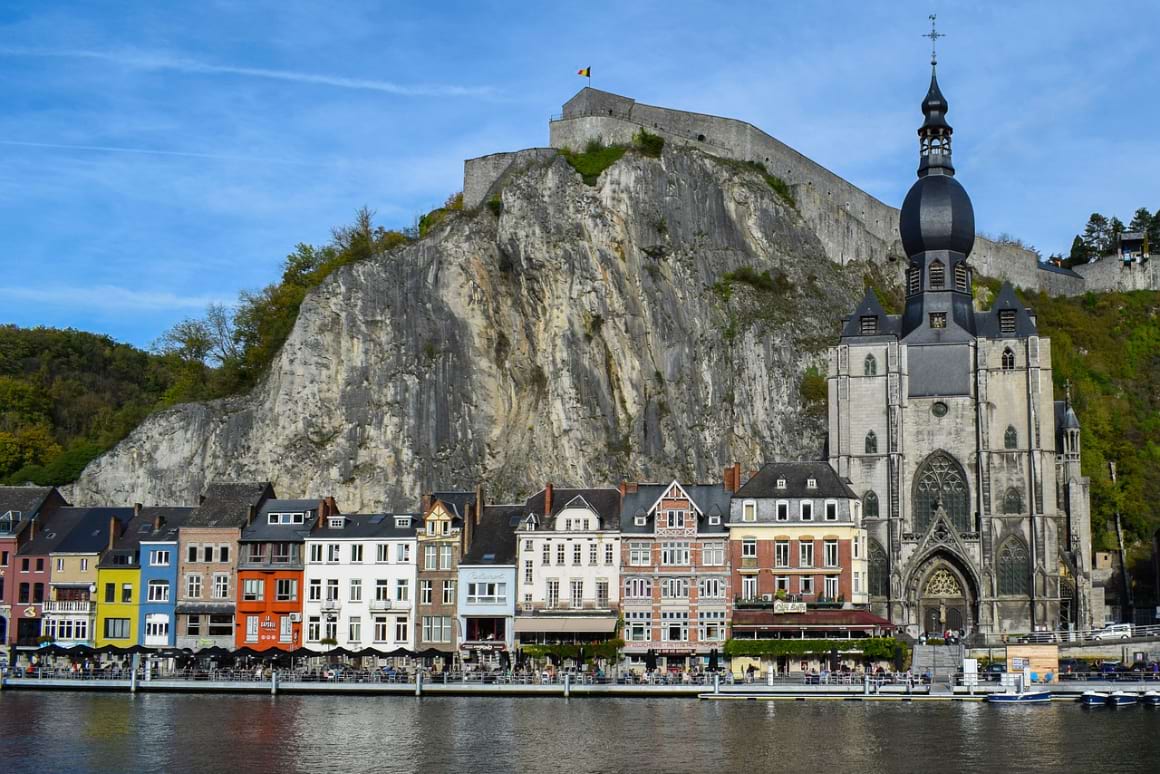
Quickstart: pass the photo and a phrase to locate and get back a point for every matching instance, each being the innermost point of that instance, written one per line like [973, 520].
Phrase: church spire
[934, 136]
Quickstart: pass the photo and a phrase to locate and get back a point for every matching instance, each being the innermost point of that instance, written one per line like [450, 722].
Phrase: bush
[814, 391]
[884, 648]
[595, 159]
[779, 186]
[495, 204]
[648, 144]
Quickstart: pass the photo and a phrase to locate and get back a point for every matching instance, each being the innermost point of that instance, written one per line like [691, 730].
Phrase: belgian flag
[586, 72]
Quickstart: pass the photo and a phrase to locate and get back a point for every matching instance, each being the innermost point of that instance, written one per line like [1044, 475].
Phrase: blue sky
[159, 156]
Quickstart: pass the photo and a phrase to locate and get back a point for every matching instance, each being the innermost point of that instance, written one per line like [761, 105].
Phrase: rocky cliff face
[587, 334]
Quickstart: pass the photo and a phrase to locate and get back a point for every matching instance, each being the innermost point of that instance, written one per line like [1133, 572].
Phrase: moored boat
[1094, 698]
[1123, 698]
[1024, 697]
[1151, 698]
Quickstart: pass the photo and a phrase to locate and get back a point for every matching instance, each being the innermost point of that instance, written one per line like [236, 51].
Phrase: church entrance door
[944, 603]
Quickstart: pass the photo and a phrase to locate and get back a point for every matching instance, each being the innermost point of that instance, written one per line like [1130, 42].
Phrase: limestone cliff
[585, 335]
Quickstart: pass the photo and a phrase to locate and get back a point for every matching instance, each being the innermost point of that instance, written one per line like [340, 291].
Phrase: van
[1121, 631]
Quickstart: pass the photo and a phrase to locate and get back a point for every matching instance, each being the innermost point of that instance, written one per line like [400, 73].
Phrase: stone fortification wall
[480, 175]
[1110, 274]
[1056, 283]
[851, 224]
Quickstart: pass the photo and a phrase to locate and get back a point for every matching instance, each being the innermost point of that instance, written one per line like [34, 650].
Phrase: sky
[159, 157]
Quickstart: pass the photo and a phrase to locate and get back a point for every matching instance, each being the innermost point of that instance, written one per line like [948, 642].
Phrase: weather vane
[934, 35]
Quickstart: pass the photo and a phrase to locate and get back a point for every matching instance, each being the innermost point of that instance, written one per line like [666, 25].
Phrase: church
[944, 421]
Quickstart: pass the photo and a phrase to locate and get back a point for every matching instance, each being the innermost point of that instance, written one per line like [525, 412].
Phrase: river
[79, 732]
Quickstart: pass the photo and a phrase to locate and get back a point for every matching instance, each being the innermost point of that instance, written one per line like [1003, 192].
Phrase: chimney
[548, 499]
[332, 505]
[623, 489]
[158, 522]
[478, 502]
[727, 479]
[469, 522]
[113, 529]
[425, 504]
[32, 529]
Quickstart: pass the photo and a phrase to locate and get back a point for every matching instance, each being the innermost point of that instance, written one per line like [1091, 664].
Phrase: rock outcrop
[585, 335]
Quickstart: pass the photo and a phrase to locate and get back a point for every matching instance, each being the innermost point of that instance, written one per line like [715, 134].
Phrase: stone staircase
[942, 661]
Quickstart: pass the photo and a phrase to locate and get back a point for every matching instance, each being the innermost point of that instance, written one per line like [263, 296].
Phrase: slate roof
[140, 529]
[1051, 267]
[173, 519]
[494, 536]
[796, 474]
[368, 526]
[605, 502]
[1065, 419]
[260, 531]
[710, 498]
[987, 323]
[228, 504]
[888, 325]
[26, 501]
[456, 502]
[75, 531]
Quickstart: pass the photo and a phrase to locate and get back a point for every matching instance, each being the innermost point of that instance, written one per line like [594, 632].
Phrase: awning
[554, 624]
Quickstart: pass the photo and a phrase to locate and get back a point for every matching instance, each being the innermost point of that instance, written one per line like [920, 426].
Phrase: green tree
[1141, 220]
[1079, 253]
[1097, 235]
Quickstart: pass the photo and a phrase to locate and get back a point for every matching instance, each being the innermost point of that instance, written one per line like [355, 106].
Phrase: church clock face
[939, 409]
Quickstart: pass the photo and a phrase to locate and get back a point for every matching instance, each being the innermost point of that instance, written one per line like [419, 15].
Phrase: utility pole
[1127, 614]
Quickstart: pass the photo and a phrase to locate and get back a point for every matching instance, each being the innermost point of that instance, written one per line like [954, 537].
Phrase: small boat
[1023, 697]
[1094, 699]
[1151, 698]
[1123, 698]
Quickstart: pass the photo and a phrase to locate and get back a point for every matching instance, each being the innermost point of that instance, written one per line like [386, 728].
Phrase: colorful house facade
[446, 515]
[160, 560]
[20, 508]
[487, 588]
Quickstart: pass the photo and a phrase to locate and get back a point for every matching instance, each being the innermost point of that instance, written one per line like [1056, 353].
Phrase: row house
[159, 551]
[674, 571]
[118, 595]
[447, 517]
[271, 566]
[207, 571]
[569, 566]
[70, 611]
[487, 587]
[21, 509]
[360, 582]
[798, 555]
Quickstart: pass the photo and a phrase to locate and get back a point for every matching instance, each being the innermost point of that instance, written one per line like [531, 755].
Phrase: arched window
[1010, 438]
[870, 505]
[871, 443]
[1012, 501]
[870, 366]
[879, 579]
[1013, 568]
[1008, 359]
[940, 481]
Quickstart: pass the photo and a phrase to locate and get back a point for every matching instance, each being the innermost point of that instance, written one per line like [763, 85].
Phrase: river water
[77, 732]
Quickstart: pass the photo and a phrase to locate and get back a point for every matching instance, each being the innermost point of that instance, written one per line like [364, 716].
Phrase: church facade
[944, 421]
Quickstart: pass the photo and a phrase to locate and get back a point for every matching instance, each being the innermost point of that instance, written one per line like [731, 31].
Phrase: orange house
[271, 564]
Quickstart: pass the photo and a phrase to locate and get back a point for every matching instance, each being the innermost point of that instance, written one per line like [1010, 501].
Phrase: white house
[360, 582]
[487, 588]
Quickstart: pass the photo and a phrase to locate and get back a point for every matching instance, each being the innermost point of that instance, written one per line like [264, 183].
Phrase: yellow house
[118, 603]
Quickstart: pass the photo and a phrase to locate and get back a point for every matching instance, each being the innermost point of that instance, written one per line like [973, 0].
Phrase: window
[638, 626]
[749, 587]
[402, 629]
[806, 554]
[286, 590]
[546, 556]
[313, 628]
[1013, 568]
[857, 581]
[938, 408]
[23, 593]
[711, 588]
[332, 589]
[609, 553]
[830, 586]
[938, 319]
[487, 593]
[193, 586]
[116, 628]
[127, 593]
[830, 553]
[223, 554]
[576, 592]
[1010, 438]
[674, 625]
[251, 628]
[429, 557]
[38, 593]
[807, 584]
[1012, 501]
[1008, 360]
[879, 574]
[207, 553]
[426, 589]
[159, 558]
[713, 554]
[870, 505]
[383, 553]
[314, 590]
[870, 364]
[749, 548]
[638, 554]
[382, 590]
[157, 627]
[356, 589]
[807, 510]
[675, 554]
[674, 588]
[437, 628]
[712, 624]
[937, 275]
[330, 628]
[529, 571]
[781, 553]
[354, 629]
[675, 519]
[221, 586]
[316, 552]
[552, 598]
[402, 590]
[592, 554]
[781, 483]
[782, 510]
[637, 588]
[356, 552]
[382, 628]
[577, 551]
[158, 591]
[23, 565]
[831, 511]
[811, 483]
[640, 521]
[220, 626]
[403, 553]
[445, 556]
[59, 565]
[449, 592]
[252, 590]
[193, 626]
[602, 593]
[110, 592]
[871, 443]
[560, 549]
[749, 511]
[1007, 322]
[940, 481]
[868, 325]
[333, 551]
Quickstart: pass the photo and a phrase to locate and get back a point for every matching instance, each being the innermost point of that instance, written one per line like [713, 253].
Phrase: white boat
[1021, 697]
[1123, 698]
[1094, 699]
[1151, 698]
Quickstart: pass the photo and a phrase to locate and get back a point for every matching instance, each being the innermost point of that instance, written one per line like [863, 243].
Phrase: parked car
[1121, 631]
[1038, 637]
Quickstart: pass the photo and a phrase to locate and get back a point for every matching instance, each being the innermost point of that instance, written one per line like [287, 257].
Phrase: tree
[1097, 235]
[1141, 220]
[1079, 253]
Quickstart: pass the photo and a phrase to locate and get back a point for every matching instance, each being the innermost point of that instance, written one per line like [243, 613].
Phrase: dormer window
[1007, 322]
[403, 522]
[431, 528]
[640, 521]
[714, 520]
[336, 522]
[811, 483]
[781, 483]
[869, 325]
[749, 511]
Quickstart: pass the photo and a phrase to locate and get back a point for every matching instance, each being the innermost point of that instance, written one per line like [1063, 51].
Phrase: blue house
[159, 562]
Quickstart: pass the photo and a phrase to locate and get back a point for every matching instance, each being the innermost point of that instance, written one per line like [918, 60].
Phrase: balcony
[77, 606]
[331, 606]
[382, 604]
[564, 605]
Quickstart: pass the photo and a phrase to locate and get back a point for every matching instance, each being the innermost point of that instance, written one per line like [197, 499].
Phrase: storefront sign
[781, 606]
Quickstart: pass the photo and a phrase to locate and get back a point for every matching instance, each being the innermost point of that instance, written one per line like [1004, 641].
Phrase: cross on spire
[934, 35]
